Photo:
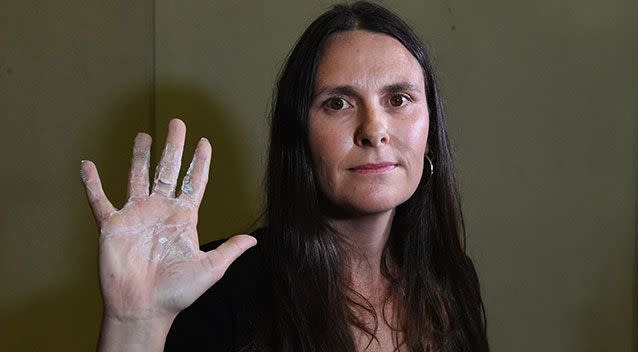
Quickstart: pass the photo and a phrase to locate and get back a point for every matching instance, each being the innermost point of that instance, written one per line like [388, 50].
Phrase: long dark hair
[312, 301]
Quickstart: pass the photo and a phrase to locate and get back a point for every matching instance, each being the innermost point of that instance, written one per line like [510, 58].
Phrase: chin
[373, 204]
[360, 200]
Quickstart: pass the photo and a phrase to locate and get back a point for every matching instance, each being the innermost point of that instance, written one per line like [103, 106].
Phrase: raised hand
[150, 264]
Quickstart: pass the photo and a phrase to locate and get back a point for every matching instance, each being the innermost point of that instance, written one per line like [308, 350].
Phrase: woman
[362, 245]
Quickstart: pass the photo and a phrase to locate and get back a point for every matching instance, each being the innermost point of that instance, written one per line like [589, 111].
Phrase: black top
[224, 318]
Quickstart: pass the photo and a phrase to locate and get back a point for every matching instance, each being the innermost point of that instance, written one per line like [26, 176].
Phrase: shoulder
[471, 278]
[470, 269]
[219, 319]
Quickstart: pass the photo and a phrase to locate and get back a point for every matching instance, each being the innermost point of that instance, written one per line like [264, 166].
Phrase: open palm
[149, 259]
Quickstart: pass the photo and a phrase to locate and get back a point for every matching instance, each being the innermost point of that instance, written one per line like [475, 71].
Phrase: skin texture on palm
[150, 265]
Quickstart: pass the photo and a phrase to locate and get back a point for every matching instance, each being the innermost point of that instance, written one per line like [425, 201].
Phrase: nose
[372, 130]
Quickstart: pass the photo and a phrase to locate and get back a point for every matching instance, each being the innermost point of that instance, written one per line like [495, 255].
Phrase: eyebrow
[350, 91]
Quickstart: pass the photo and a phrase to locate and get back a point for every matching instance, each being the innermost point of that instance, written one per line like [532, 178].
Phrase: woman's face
[368, 124]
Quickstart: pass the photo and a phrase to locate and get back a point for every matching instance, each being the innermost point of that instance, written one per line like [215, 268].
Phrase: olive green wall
[543, 111]
[542, 101]
[75, 83]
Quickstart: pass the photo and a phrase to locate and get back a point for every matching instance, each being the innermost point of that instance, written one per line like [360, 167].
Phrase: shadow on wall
[66, 317]
[230, 205]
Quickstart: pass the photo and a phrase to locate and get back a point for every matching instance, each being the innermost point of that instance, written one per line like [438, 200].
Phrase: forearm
[148, 335]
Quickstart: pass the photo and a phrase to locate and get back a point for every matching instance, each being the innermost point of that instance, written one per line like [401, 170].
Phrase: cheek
[416, 137]
[414, 145]
[328, 146]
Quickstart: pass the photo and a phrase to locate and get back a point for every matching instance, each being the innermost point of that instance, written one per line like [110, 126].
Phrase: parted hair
[312, 299]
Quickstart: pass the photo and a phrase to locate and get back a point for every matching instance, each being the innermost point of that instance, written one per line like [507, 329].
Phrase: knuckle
[188, 200]
[140, 155]
[162, 189]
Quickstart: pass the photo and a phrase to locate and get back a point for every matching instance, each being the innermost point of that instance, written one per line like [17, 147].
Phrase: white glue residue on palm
[159, 242]
[169, 242]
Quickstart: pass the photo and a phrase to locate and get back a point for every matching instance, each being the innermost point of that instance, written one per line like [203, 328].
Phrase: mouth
[373, 168]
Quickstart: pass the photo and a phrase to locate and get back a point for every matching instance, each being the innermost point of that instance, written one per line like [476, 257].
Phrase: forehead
[366, 59]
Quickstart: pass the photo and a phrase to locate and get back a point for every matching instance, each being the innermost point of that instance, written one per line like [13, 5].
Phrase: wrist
[133, 335]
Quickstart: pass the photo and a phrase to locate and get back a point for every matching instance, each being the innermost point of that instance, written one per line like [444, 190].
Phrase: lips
[373, 168]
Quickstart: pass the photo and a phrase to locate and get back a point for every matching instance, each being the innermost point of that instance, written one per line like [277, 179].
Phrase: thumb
[220, 258]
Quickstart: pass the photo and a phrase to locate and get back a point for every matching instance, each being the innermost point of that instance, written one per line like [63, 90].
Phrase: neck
[367, 236]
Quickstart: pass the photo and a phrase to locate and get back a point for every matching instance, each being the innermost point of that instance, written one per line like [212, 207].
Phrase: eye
[336, 104]
[398, 100]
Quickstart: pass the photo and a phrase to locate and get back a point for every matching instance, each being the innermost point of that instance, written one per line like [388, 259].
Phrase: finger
[196, 178]
[167, 170]
[138, 185]
[100, 205]
[218, 260]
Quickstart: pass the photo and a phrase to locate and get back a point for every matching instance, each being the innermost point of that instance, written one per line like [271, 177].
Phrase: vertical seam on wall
[153, 118]
[635, 322]
[635, 286]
